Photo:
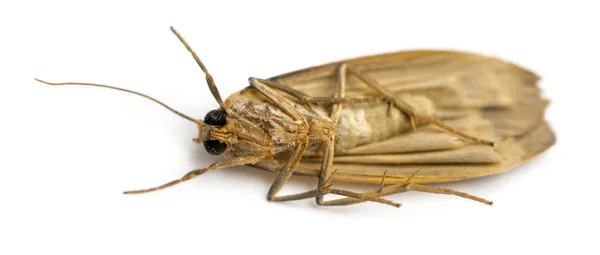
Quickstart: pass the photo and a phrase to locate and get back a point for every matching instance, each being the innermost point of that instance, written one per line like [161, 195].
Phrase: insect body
[400, 119]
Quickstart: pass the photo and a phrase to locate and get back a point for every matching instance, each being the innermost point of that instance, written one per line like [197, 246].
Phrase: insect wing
[481, 95]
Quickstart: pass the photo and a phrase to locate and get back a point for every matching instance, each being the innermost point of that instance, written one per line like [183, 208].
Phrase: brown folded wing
[480, 95]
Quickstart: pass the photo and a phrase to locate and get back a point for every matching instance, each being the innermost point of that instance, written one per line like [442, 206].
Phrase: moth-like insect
[403, 120]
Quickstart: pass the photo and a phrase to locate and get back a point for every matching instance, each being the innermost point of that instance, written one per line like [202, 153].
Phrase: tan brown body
[483, 96]
[399, 119]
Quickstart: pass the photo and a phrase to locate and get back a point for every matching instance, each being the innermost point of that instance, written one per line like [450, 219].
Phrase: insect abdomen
[361, 124]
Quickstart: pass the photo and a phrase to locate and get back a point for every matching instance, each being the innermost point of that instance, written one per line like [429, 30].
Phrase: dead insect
[380, 119]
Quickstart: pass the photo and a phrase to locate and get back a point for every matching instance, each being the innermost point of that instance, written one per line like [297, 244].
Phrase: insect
[402, 120]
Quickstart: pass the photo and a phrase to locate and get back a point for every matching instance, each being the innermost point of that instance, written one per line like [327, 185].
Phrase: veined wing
[484, 96]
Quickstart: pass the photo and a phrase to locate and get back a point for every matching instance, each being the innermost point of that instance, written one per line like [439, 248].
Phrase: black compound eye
[215, 118]
[214, 147]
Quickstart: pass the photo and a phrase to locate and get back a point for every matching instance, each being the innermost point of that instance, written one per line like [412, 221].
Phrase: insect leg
[291, 91]
[327, 100]
[301, 144]
[411, 111]
[446, 191]
[382, 184]
[407, 186]
[230, 162]
[277, 99]
[288, 170]
[336, 108]
[326, 189]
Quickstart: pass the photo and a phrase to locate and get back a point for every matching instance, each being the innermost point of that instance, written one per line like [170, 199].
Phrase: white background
[69, 152]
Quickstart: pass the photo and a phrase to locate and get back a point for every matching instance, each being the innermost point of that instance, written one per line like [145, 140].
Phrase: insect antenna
[209, 78]
[199, 122]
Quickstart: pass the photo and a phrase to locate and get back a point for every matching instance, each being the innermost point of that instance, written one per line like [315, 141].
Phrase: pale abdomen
[361, 124]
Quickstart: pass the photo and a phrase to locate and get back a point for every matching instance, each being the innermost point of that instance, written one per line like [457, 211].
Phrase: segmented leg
[336, 108]
[290, 91]
[265, 89]
[382, 184]
[400, 188]
[287, 171]
[408, 186]
[322, 190]
[326, 100]
[326, 189]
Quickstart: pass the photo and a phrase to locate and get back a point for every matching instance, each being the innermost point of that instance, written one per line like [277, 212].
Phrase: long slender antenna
[124, 90]
[209, 78]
